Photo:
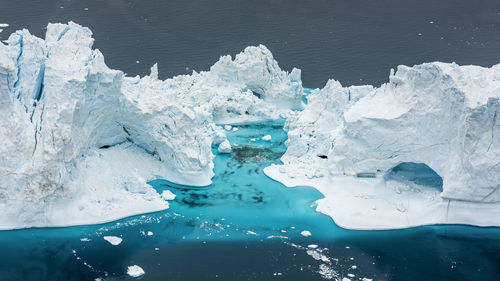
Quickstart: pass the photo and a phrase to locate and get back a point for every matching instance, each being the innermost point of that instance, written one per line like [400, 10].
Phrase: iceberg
[80, 138]
[363, 147]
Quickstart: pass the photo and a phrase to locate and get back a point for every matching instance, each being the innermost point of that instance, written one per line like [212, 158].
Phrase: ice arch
[416, 173]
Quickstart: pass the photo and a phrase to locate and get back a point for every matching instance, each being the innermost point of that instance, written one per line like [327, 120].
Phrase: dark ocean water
[353, 41]
[246, 226]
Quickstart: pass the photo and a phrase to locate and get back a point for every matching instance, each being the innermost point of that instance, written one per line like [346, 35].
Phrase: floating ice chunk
[235, 129]
[85, 239]
[251, 232]
[305, 233]
[267, 137]
[113, 240]
[168, 195]
[228, 127]
[135, 271]
[224, 147]
[4, 25]
[312, 246]
[150, 233]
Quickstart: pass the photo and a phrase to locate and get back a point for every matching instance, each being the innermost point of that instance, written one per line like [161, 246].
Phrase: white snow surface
[80, 138]
[439, 114]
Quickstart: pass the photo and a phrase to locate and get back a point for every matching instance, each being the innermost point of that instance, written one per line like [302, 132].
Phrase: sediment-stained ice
[80, 138]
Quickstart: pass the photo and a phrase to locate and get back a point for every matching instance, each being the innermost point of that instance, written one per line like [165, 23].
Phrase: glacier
[349, 143]
[80, 141]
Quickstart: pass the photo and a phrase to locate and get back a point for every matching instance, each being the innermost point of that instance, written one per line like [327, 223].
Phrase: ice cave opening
[417, 173]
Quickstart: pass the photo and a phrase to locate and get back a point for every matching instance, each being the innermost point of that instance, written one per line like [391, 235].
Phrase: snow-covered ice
[348, 142]
[75, 131]
[82, 139]
[135, 271]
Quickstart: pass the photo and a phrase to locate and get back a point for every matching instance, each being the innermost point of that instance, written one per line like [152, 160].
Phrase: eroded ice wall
[80, 138]
[438, 114]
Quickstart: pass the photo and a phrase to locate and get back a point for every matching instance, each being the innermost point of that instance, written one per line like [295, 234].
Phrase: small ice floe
[351, 275]
[137, 61]
[113, 240]
[4, 25]
[135, 271]
[85, 239]
[1, 30]
[157, 249]
[267, 137]
[347, 247]
[168, 195]
[86, 9]
[354, 267]
[312, 246]
[228, 127]
[276, 236]
[225, 147]
[346, 279]
[235, 129]
[277, 274]
[253, 139]
[251, 232]
[366, 279]
[306, 233]
[150, 233]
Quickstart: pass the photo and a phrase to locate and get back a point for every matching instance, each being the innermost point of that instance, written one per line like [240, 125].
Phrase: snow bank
[82, 139]
[441, 115]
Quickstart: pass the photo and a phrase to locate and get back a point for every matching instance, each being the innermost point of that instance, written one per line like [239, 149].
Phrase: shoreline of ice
[368, 204]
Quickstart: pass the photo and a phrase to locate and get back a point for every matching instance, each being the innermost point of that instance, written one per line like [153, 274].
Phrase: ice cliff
[363, 146]
[79, 141]
[80, 138]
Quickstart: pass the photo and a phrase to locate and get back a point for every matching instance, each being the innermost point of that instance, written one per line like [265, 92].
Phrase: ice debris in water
[135, 271]
[4, 25]
[224, 147]
[305, 233]
[168, 195]
[113, 240]
[267, 137]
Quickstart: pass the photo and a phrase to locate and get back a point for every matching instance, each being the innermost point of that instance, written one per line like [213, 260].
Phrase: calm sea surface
[354, 41]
